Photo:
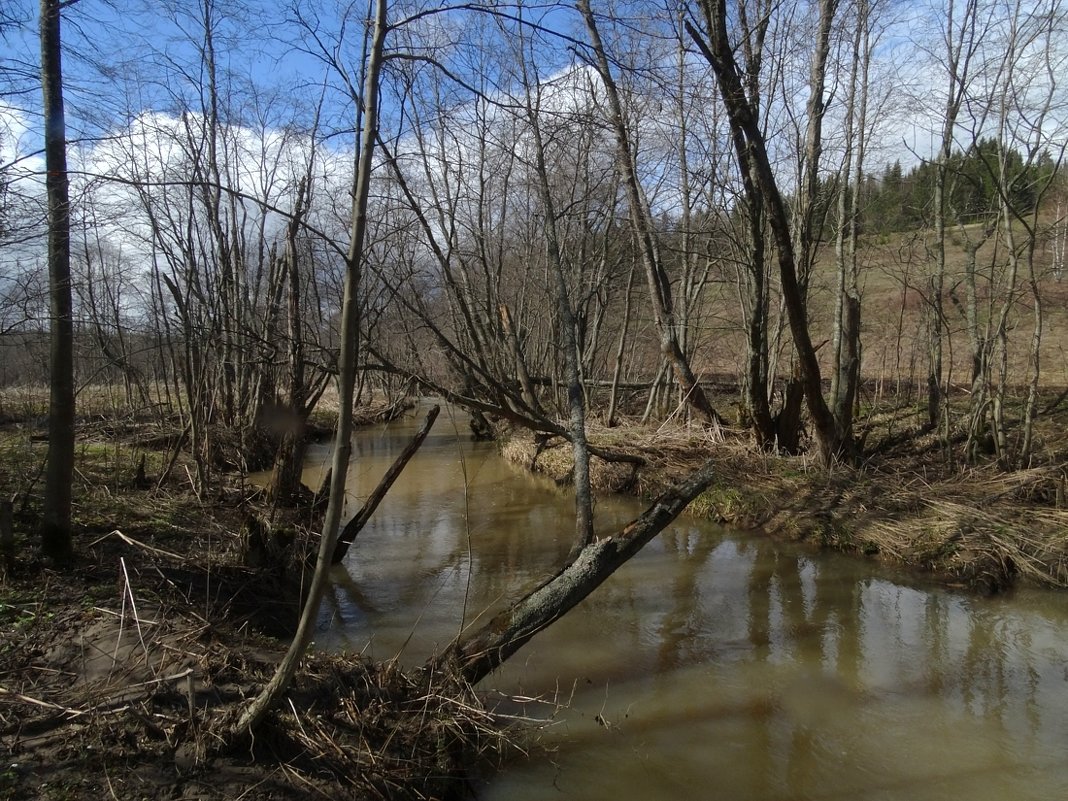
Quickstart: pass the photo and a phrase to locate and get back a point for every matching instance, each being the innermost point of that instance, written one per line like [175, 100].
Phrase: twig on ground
[137, 544]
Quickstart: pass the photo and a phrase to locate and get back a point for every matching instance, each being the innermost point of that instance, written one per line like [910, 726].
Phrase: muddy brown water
[716, 664]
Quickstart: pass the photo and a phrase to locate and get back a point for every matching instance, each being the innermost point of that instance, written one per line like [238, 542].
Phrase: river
[716, 664]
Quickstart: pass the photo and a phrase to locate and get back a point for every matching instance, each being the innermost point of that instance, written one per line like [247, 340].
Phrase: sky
[125, 59]
[132, 67]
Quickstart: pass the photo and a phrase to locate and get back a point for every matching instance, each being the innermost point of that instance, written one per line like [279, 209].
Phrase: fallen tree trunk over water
[480, 653]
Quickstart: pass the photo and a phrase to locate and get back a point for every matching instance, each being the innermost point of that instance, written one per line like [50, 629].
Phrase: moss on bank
[979, 527]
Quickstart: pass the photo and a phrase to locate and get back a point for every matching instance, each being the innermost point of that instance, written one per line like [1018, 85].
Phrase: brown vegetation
[970, 525]
[483, 260]
[118, 675]
[152, 644]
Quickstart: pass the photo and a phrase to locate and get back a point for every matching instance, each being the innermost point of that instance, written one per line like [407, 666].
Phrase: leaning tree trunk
[350, 311]
[642, 224]
[483, 651]
[359, 520]
[752, 149]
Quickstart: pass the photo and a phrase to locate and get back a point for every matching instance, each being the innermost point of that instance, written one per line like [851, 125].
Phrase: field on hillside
[895, 271]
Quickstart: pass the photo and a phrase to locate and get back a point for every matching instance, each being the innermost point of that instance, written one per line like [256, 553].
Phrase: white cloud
[20, 159]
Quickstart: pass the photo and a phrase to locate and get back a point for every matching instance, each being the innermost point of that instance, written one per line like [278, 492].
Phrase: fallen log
[478, 654]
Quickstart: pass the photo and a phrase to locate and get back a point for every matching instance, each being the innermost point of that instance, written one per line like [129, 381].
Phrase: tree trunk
[758, 374]
[289, 458]
[279, 683]
[719, 53]
[576, 402]
[959, 53]
[617, 367]
[642, 223]
[480, 653]
[846, 377]
[56, 539]
[788, 420]
[359, 520]
[1034, 362]
[526, 386]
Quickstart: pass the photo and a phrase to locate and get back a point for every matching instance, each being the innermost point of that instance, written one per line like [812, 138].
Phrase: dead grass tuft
[982, 527]
[385, 731]
[125, 694]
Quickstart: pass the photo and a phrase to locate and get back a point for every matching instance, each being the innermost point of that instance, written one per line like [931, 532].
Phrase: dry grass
[119, 678]
[669, 452]
[894, 272]
[983, 526]
[387, 732]
[28, 403]
[979, 526]
[118, 675]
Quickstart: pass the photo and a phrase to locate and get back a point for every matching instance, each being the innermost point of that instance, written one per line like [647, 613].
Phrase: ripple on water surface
[715, 664]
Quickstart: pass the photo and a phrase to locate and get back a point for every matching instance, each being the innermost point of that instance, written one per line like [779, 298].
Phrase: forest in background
[545, 215]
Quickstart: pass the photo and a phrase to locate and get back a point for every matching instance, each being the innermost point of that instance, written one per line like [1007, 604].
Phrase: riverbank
[974, 526]
[121, 673]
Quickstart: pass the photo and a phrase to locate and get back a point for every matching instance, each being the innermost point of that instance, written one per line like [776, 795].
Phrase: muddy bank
[979, 527]
[121, 674]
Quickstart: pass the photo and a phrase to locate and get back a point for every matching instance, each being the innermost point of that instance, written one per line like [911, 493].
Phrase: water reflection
[723, 664]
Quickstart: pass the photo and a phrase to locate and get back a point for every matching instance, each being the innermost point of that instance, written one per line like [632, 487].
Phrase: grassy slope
[894, 272]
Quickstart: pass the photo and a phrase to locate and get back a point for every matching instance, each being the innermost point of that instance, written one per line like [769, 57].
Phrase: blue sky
[123, 57]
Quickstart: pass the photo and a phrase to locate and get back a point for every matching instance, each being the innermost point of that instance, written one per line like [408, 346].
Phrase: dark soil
[122, 674]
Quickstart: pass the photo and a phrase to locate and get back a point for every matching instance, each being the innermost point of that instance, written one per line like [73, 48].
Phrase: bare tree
[716, 46]
[350, 329]
[1025, 96]
[59, 474]
[479, 652]
[659, 284]
[576, 403]
[960, 40]
[845, 372]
